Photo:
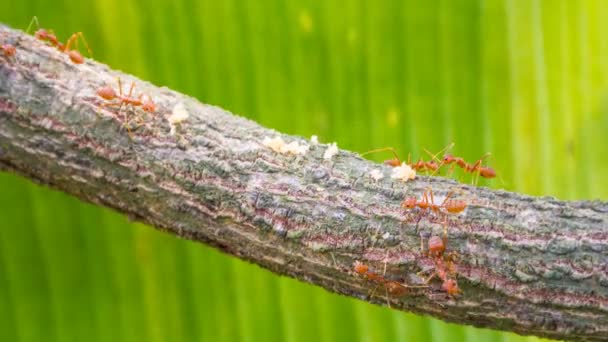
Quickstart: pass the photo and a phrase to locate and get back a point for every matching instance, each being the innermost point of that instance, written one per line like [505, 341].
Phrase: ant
[50, 37]
[450, 205]
[419, 166]
[445, 267]
[107, 93]
[483, 171]
[392, 287]
[8, 50]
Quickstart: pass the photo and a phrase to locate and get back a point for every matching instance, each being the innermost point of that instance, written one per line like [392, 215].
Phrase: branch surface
[525, 264]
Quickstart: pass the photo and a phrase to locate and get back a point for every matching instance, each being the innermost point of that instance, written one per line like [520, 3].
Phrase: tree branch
[529, 265]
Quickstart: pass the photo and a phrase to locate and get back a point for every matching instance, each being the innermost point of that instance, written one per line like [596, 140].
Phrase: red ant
[445, 268]
[420, 165]
[451, 206]
[8, 50]
[483, 171]
[107, 93]
[394, 288]
[46, 36]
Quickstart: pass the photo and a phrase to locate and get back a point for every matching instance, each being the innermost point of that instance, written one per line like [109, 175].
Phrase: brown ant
[51, 38]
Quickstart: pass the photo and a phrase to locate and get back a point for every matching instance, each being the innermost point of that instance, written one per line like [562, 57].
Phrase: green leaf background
[523, 79]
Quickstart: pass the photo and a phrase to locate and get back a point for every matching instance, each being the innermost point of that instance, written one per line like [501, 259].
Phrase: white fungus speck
[275, 143]
[331, 151]
[376, 174]
[178, 115]
[403, 172]
[295, 148]
[278, 145]
[314, 139]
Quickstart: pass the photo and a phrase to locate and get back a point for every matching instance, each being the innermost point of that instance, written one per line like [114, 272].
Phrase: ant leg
[445, 232]
[74, 39]
[371, 295]
[84, 41]
[428, 280]
[476, 177]
[119, 86]
[425, 198]
[451, 170]
[432, 197]
[120, 97]
[421, 244]
[131, 89]
[446, 199]
[333, 258]
[68, 45]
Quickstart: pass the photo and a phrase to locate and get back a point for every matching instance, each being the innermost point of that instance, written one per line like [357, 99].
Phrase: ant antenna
[34, 19]
[382, 150]
[435, 158]
[385, 149]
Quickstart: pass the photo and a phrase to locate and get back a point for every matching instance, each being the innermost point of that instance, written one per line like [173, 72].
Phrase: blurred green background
[524, 79]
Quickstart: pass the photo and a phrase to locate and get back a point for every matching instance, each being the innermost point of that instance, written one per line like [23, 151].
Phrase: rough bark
[526, 264]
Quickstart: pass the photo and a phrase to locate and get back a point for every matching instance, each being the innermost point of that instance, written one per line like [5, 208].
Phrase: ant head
[409, 203]
[106, 93]
[360, 268]
[41, 34]
[9, 50]
[448, 158]
[149, 106]
[76, 57]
